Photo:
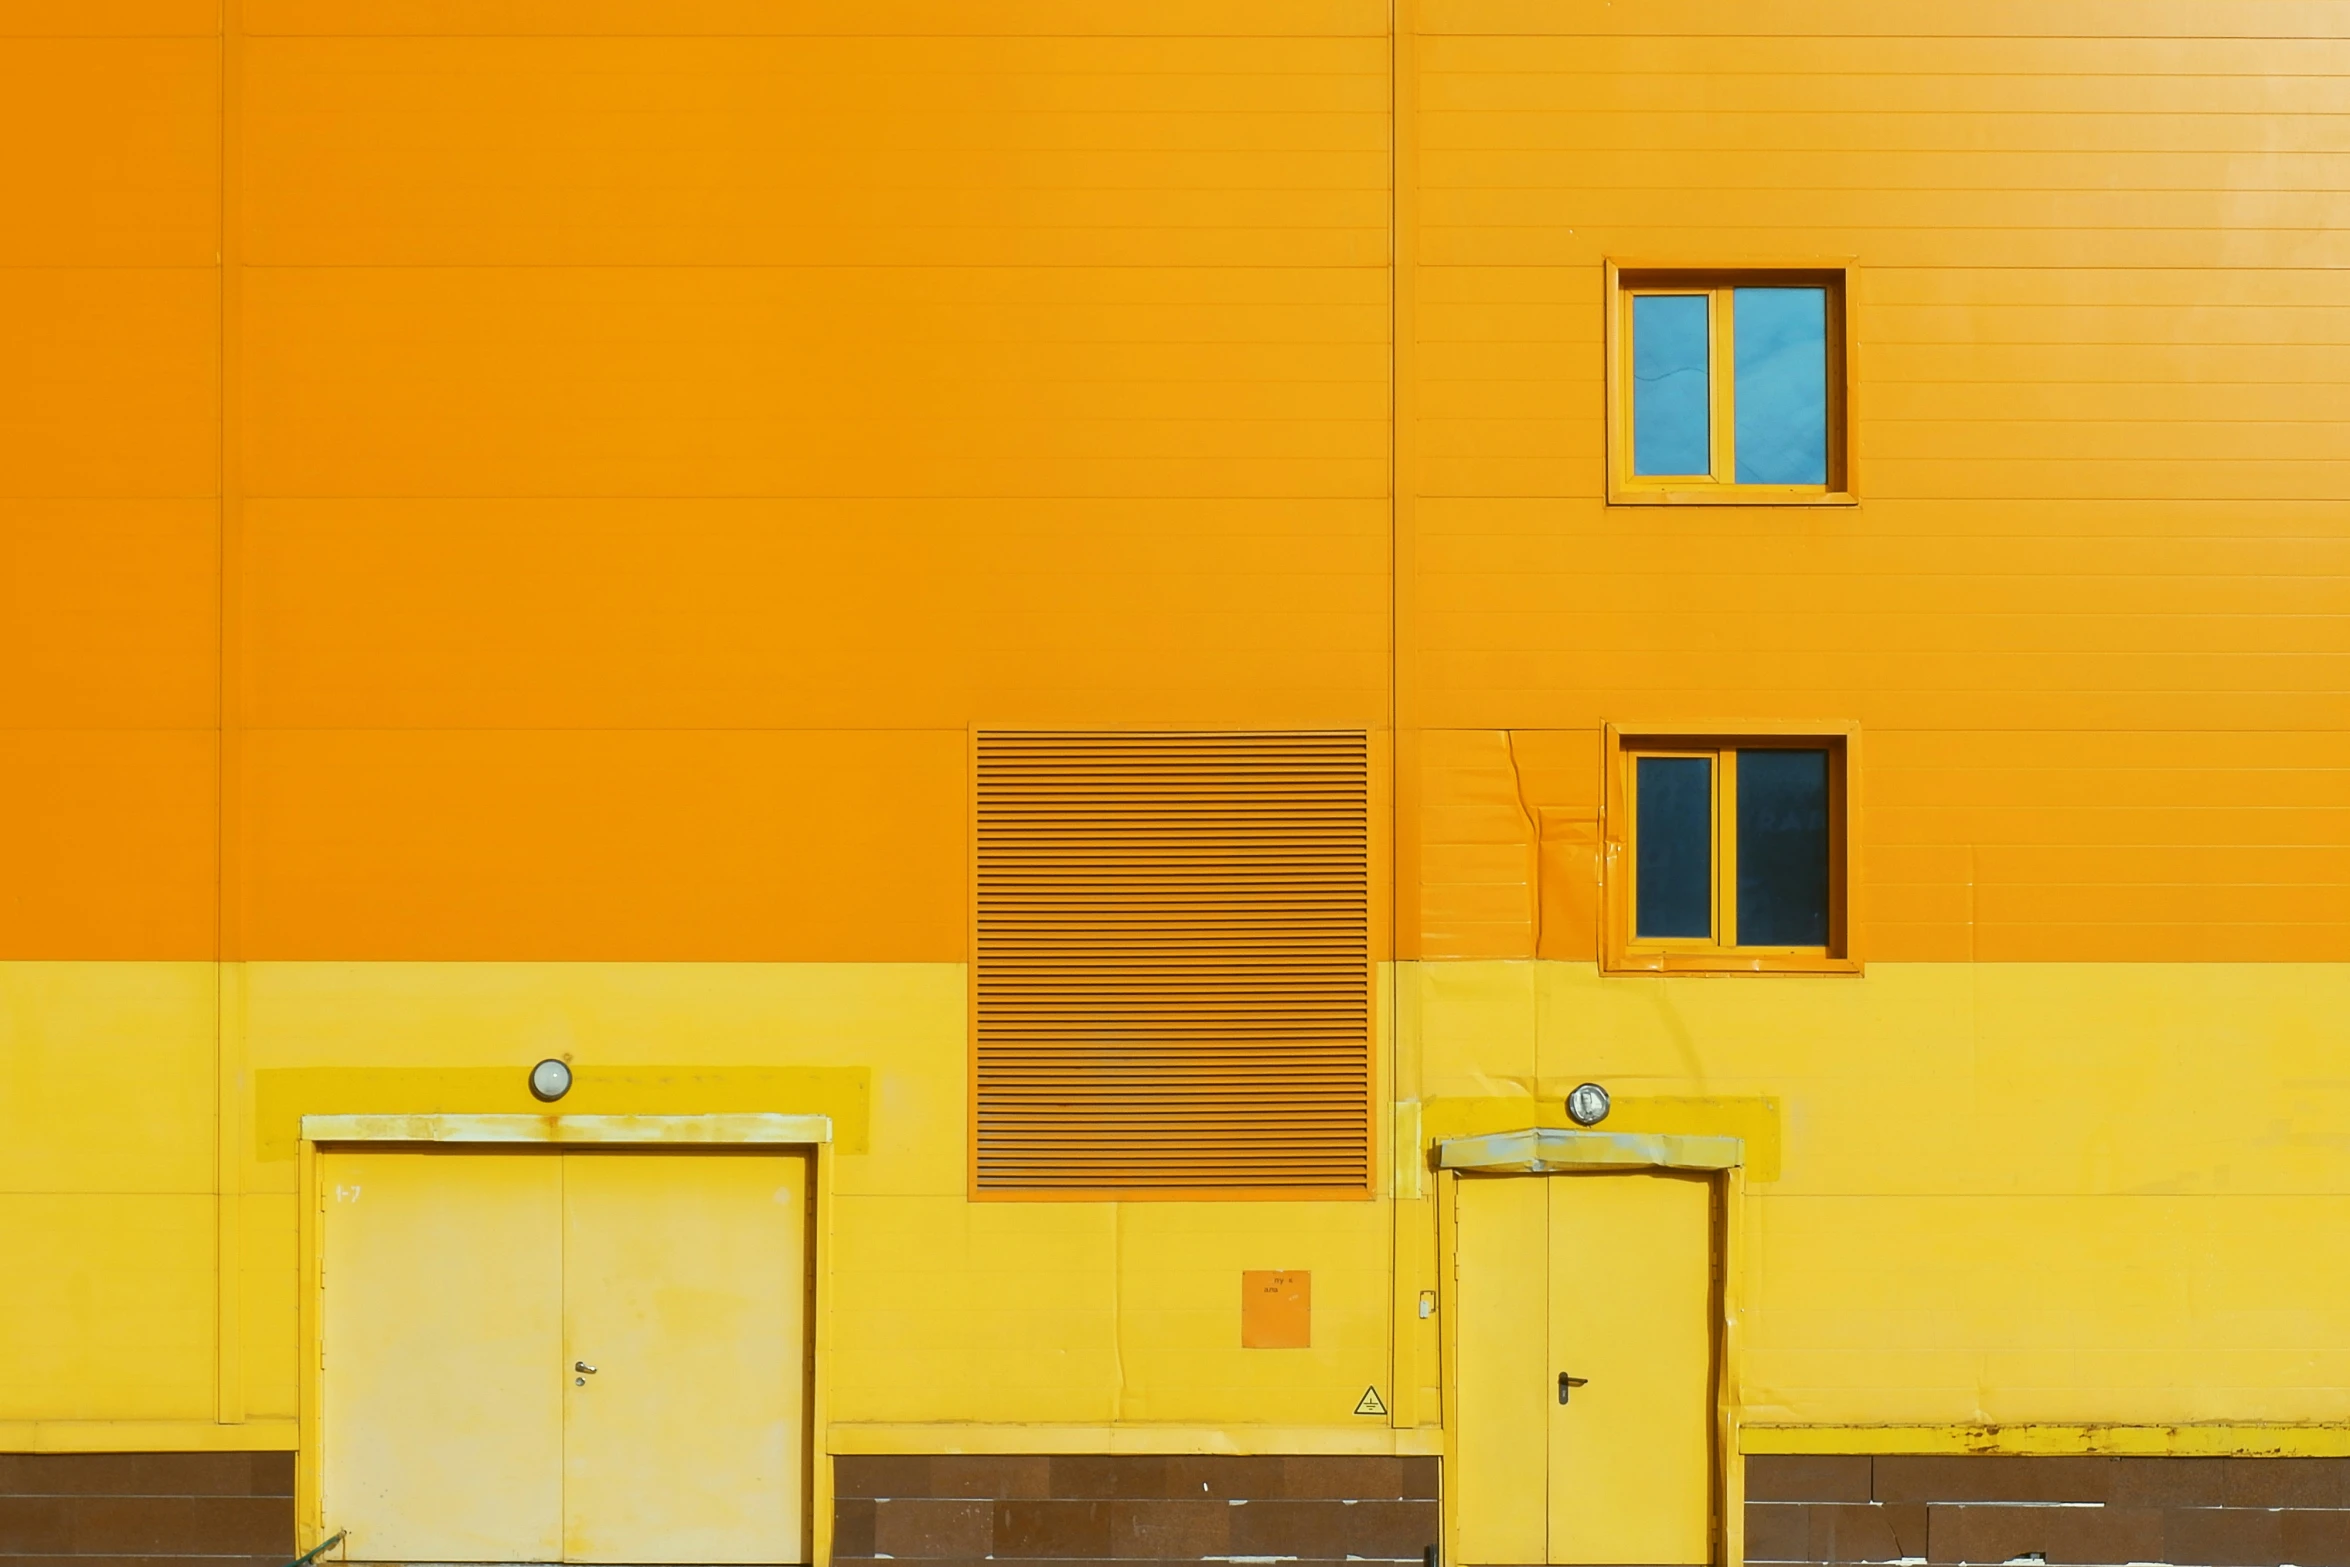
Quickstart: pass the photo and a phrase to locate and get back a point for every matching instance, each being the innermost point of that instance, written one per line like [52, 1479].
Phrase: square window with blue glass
[1730, 388]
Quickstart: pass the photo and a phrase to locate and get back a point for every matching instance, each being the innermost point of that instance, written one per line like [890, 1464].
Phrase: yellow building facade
[521, 521]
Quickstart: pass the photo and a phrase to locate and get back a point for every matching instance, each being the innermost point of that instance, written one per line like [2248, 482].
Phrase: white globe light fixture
[550, 1080]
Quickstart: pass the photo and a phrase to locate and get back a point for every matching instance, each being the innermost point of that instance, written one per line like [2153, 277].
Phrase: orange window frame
[1720, 953]
[1719, 487]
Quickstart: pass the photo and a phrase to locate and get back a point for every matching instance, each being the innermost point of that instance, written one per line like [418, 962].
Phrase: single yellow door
[684, 1338]
[441, 1306]
[1502, 1237]
[1605, 1281]
[1631, 1275]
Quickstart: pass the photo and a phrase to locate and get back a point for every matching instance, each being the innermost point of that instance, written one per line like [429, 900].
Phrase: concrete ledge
[637, 1129]
[1368, 1438]
[2212, 1439]
[146, 1436]
[1541, 1150]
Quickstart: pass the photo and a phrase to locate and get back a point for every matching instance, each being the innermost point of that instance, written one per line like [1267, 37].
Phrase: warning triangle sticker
[1369, 1403]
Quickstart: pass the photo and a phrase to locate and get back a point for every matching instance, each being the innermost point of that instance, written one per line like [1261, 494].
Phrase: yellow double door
[564, 1357]
[1586, 1362]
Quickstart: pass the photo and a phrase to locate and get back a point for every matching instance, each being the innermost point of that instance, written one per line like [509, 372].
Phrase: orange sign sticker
[1276, 1310]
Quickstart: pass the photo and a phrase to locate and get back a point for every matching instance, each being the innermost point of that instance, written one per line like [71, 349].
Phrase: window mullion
[1726, 848]
[1722, 360]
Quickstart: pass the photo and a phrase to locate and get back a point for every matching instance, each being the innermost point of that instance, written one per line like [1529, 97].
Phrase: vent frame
[1343, 1164]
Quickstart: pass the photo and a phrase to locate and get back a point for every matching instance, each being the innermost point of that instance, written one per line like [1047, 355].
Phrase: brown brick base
[237, 1510]
[146, 1509]
[2071, 1512]
[1066, 1511]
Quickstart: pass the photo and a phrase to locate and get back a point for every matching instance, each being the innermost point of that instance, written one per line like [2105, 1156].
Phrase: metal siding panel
[1172, 987]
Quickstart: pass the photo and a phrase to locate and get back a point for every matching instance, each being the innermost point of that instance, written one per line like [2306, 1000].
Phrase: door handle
[1566, 1382]
[581, 1365]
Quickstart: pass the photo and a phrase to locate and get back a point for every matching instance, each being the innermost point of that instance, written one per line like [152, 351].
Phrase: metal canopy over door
[1586, 1368]
[465, 1295]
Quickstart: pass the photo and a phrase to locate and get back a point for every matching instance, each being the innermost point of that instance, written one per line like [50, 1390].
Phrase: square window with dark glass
[1735, 849]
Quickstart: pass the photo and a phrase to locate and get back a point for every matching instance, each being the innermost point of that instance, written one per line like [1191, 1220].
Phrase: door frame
[1550, 1153]
[679, 1133]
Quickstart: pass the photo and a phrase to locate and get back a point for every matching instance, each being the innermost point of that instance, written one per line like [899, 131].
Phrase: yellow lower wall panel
[106, 1076]
[1179, 1286]
[945, 1309]
[269, 1303]
[1085, 1313]
[2136, 1309]
[2005, 1193]
[901, 1024]
[108, 1310]
[2011, 1198]
[2023, 1079]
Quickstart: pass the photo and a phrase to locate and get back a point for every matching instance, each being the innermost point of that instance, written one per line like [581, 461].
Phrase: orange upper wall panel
[778, 381]
[111, 19]
[939, 150]
[1833, 21]
[129, 136]
[1972, 845]
[566, 844]
[2089, 612]
[109, 477]
[658, 432]
[109, 614]
[114, 382]
[1010, 371]
[850, 612]
[110, 237]
[110, 837]
[2095, 313]
[821, 18]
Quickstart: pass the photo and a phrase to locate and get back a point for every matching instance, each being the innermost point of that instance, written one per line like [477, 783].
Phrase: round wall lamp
[550, 1080]
[1587, 1105]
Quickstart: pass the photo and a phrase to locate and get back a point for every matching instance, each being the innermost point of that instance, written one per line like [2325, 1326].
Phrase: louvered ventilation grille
[1174, 979]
